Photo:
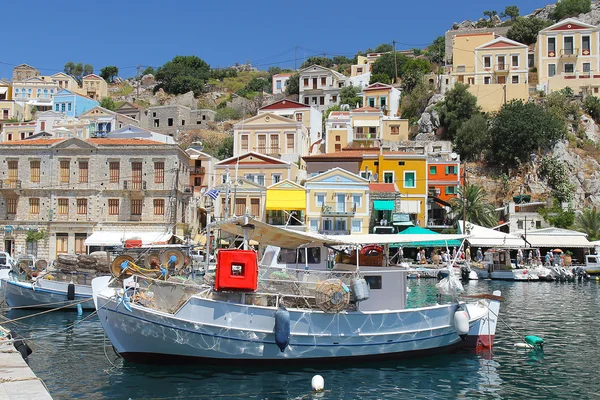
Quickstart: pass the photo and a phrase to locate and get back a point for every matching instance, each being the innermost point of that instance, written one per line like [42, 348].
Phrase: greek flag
[213, 194]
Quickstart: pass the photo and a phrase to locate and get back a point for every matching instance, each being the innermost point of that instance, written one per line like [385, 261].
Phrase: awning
[115, 238]
[383, 205]
[3, 90]
[562, 241]
[432, 241]
[480, 236]
[366, 122]
[286, 199]
[410, 206]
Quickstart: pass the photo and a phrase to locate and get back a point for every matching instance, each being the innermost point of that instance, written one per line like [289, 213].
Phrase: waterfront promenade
[17, 380]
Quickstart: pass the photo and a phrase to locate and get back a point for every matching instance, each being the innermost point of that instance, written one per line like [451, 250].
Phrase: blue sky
[126, 33]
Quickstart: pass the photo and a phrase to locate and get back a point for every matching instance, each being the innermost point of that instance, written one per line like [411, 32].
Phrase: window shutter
[447, 170]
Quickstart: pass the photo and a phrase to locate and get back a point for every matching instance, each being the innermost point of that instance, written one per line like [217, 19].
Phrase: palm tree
[589, 222]
[478, 210]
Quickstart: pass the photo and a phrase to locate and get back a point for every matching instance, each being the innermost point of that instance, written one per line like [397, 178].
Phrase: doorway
[62, 243]
[9, 246]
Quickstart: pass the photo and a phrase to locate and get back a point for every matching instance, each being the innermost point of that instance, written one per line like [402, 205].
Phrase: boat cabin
[497, 259]
[592, 264]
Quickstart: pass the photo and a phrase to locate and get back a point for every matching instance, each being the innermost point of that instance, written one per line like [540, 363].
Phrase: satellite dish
[454, 156]
[375, 177]
[203, 190]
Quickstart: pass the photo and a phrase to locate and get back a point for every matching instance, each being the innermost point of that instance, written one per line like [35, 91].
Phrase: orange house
[444, 179]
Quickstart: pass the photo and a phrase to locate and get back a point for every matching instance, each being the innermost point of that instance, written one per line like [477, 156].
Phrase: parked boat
[544, 273]
[291, 309]
[592, 264]
[497, 265]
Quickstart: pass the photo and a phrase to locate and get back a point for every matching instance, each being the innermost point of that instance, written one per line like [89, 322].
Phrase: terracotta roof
[130, 141]
[36, 142]
[366, 109]
[339, 113]
[338, 154]
[283, 105]
[476, 34]
[382, 187]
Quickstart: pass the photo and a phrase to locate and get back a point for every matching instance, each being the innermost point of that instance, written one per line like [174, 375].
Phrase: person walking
[468, 254]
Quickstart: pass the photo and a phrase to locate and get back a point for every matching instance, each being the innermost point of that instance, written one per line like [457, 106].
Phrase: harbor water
[69, 355]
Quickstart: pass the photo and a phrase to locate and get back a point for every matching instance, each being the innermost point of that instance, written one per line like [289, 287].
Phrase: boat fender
[20, 344]
[318, 383]
[282, 328]
[172, 261]
[360, 289]
[461, 323]
[71, 291]
[523, 346]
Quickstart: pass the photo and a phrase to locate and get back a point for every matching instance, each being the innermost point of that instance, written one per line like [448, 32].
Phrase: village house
[310, 116]
[320, 87]
[72, 104]
[102, 121]
[70, 189]
[134, 111]
[280, 83]
[23, 72]
[94, 87]
[174, 119]
[286, 205]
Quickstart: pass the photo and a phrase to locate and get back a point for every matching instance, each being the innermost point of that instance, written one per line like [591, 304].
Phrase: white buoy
[523, 346]
[317, 383]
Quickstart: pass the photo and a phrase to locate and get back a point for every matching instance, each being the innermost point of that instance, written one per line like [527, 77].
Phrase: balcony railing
[134, 185]
[366, 136]
[334, 232]
[338, 208]
[569, 53]
[501, 68]
[198, 171]
[10, 184]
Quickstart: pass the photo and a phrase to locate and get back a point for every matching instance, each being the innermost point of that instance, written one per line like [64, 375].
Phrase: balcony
[10, 184]
[501, 69]
[198, 171]
[334, 232]
[268, 150]
[569, 53]
[366, 136]
[338, 209]
[134, 185]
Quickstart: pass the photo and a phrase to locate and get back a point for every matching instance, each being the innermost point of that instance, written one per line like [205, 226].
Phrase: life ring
[370, 249]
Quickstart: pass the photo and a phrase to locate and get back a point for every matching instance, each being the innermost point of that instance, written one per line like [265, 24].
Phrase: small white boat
[544, 273]
[498, 265]
[592, 264]
[332, 315]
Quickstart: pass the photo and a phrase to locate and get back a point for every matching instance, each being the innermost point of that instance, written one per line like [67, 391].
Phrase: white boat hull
[218, 331]
[45, 294]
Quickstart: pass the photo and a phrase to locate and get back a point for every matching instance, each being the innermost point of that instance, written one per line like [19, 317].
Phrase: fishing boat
[290, 308]
[497, 265]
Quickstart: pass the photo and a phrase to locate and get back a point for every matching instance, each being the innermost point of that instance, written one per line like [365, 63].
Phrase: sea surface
[75, 362]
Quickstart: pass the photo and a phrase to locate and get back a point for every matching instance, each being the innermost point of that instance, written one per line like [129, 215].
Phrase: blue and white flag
[213, 194]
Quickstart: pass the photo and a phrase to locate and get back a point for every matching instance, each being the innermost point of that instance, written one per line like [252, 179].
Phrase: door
[62, 243]
[501, 80]
[341, 203]
[314, 83]
[9, 244]
[568, 45]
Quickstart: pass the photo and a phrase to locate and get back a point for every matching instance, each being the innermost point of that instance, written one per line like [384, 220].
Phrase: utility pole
[464, 200]
[505, 93]
[176, 200]
[296, 58]
[395, 62]
[139, 67]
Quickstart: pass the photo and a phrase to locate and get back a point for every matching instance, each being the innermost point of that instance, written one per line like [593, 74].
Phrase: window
[338, 138]
[170, 122]
[487, 80]
[299, 117]
[357, 225]
[586, 67]
[276, 178]
[338, 147]
[585, 45]
[395, 129]
[13, 171]
[359, 70]
[320, 200]
[568, 45]
[334, 99]
[314, 225]
[306, 100]
[357, 200]
[432, 170]
[136, 175]
[501, 63]
[34, 171]
[322, 100]
[371, 101]
[68, 106]
[340, 224]
[113, 206]
[240, 206]
[514, 61]
[255, 207]
[80, 243]
[34, 206]
[401, 163]
[10, 137]
[57, 107]
[375, 281]
[451, 170]
[159, 172]
[159, 206]
[551, 70]
[244, 142]
[274, 144]
[305, 82]
[11, 205]
[323, 81]
[551, 47]
[569, 68]
[64, 171]
[451, 190]
[278, 84]
[388, 177]
[515, 79]
[82, 206]
[136, 207]
[290, 142]
[63, 206]
[383, 101]
[83, 172]
[114, 169]
[487, 62]
[62, 107]
[410, 180]
[260, 179]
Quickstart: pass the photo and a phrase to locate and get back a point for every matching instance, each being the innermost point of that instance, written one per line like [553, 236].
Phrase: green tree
[335, 107]
[322, 61]
[109, 73]
[254, 87]
[556, 174]
[520, 129]
[563, 105]
[472, 201]
[591, 105]
[511, 12]
[226, 114]
[88, 69]
[458, 107]
[385, 65]
[342, 60]
[148, 71]
[473, 138]
[571, 8]
[525, 30]
[414, 102]
[293, 86]
[557, 216]
[417, 52]
[490, 14]
[415, 64]
[225, 149]
[77, 71]
[108, 103]
[436, 52]
[381, 78]
[411, 78]
[351, 95]
[183, 74]
[383, 48]
[588, 222]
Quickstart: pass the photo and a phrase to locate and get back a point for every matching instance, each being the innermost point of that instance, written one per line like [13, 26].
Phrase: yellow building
[567, 55]
[286, 204]
[408, 172]
[94, 86]
[338, 127]
[245, 197]
[495, 70]
[337, 202]
[64, 81]
[13, 132]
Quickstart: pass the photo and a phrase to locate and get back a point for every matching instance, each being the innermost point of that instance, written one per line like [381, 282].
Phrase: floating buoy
[79, 309]
[317, 383]
[534, 341]
[597, 278]
[282, 328]
[461, 322]
[523, 346]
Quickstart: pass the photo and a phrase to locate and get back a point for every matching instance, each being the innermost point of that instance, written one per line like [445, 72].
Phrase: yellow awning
[279, 199]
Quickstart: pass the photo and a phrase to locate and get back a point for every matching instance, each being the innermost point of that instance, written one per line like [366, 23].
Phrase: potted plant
[568, 260]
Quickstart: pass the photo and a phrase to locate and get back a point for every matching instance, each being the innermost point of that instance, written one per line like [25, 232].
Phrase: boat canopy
[480, 236]
[287, 238]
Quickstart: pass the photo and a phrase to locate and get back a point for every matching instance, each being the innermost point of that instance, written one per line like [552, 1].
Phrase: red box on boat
[133, 243]
[237, 270]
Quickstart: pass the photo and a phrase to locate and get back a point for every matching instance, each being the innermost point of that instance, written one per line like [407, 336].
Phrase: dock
[17, 380]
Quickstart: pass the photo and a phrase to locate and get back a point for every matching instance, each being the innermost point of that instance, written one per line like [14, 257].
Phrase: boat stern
[482, 333]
